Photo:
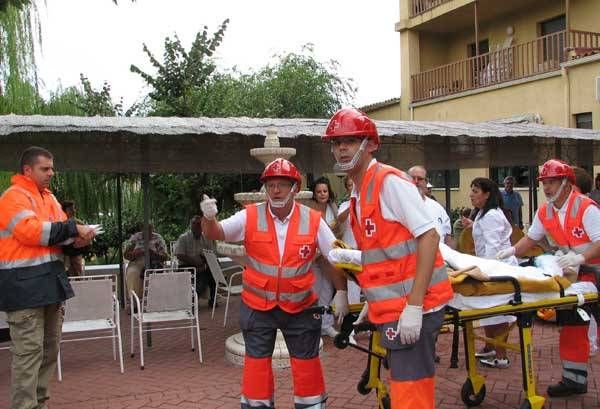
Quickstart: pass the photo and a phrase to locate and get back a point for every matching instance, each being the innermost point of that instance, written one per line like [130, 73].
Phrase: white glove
[409, 324]
[345, 256]
[340, 302]
[209, 207]
[363, 314]
[570, 260]
[506, 253]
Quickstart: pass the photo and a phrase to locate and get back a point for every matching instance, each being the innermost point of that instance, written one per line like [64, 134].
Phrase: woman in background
[491, 233]
[324, 201]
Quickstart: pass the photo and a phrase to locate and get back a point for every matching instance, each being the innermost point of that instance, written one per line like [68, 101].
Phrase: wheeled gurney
[460, 314]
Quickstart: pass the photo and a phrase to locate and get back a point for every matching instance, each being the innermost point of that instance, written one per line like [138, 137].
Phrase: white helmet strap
[278, 204]
[348, 166]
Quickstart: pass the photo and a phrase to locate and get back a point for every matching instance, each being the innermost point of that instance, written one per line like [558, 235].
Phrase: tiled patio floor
[174, 378]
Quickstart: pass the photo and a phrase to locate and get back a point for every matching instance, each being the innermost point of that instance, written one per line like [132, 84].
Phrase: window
[484, 48]
[554, 45]
[520, 173]
[583, 120]
[436, 178]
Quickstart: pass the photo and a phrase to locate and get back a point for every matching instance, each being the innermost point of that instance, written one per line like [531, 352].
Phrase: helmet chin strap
[348, 166]
[554, 197]
[278, 204]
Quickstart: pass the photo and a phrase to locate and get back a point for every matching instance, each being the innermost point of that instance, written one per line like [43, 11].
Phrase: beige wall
[387, 113]
[544, 96]
[585, 15]
[582, 82]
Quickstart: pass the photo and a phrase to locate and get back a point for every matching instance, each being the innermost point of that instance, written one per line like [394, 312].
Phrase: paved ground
[174, 378]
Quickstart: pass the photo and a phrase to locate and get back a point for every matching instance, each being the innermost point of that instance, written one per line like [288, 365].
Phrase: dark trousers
[203, 279]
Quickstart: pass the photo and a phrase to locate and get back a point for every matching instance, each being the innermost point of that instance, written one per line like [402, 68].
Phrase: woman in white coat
[324, 201]
[491, 233]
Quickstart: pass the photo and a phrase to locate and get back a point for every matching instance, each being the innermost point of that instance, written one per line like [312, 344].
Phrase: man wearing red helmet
[282, 238]
[403, 274]
[571, 221]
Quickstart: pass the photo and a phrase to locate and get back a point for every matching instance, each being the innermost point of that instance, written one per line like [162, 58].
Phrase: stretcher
[460, 314]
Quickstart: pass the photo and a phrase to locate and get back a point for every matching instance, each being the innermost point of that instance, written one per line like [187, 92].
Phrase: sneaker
[563, 389]
[329, 331]
[485, 354]
[500, 363]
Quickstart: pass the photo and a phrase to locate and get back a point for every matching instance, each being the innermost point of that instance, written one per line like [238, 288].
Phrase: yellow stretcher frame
[473, 389]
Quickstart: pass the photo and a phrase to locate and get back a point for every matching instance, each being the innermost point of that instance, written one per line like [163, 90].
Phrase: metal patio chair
[3, 325]
[94, 310]
[169, 297]
[222, 286]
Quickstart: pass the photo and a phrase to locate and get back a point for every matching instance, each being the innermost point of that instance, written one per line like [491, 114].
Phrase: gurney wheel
[385, 402]
[362, 387]
[525, 405]
[469, 397]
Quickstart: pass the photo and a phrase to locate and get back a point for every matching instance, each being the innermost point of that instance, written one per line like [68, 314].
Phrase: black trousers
[203, 279]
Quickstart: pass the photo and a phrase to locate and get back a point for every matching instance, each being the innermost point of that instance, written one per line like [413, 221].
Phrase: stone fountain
[234, 346]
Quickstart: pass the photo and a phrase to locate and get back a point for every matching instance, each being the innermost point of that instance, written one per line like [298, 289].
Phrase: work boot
[566, 388]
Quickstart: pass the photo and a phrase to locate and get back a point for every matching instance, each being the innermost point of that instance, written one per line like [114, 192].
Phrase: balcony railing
[421, 6]
[544, 54]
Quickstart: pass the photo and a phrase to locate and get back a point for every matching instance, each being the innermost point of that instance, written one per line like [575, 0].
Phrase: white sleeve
[343, 207]
[443, 219]
[234, 227]
[591, 223]
[493, 225]
[536, 231]
[325, 238]
[401, 202]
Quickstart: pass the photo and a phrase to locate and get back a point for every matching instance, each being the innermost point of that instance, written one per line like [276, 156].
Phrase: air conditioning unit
[598, 89]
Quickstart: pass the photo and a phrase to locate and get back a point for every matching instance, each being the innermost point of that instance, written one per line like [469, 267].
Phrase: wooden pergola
[184, 145]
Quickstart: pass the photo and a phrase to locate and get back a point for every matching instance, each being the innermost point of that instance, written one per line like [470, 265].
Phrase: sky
[102, 40]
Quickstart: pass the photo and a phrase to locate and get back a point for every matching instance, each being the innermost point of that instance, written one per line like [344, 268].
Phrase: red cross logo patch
[577, 232]
[370, 227]
[391, 333]
[304, 251]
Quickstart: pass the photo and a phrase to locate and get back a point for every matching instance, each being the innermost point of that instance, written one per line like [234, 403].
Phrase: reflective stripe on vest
[272, 270]
[403, 288]
[45, 237]
[272, 296]
[30, 262]
[392, 252]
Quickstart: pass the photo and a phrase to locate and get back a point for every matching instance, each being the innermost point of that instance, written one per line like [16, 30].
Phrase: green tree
[182, 74]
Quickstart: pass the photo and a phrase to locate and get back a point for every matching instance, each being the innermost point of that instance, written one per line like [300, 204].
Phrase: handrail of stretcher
[507, 309]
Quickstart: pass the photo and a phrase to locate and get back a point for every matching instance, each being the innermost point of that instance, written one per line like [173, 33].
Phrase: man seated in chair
[134, 252]
[188, 250]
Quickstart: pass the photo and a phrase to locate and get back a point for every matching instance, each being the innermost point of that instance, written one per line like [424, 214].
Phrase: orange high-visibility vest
[389, 255]
[269, 282]
[572, 236]
[31, 271]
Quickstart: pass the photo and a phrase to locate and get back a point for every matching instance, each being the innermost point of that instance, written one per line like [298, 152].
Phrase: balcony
[542, 55]
[421, 6]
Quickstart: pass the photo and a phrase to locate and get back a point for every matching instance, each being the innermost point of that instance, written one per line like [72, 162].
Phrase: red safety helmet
[555, 168]
[351, 122]
[281, 168]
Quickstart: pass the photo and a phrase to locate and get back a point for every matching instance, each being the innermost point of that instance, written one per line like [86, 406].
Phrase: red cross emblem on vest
[304, 251]
[577, 232]
[391, 333]
[370, 227]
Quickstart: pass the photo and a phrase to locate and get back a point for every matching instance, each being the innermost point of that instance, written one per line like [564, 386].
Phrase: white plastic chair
[221, 284]
[95, 308]
[3, 325]
[169, 296]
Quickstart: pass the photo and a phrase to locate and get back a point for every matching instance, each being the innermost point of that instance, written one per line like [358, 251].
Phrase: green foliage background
[185, 83]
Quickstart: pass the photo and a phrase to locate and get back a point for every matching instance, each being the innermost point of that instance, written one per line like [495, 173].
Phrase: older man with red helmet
[403, 274]
[571, 221]
[281, 238]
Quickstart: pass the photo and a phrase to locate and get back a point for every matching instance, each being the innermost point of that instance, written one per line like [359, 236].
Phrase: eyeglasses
[278, 186]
